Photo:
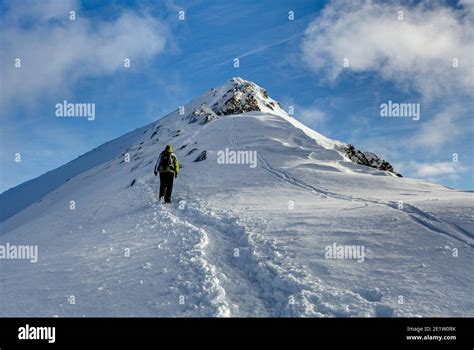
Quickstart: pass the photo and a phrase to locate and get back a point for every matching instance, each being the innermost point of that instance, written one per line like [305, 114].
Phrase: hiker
[168, 167]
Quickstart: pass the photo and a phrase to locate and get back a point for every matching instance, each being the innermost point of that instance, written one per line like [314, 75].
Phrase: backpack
[166, 162]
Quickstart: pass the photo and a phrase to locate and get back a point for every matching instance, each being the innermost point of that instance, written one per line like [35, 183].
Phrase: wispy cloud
[416, 51]
[311, 115]
[436, 169]
[55, 51]
[440, 172]
[442, 129]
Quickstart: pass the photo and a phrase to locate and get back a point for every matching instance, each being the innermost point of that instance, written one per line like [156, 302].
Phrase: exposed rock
[202, 115]
[191, 151]
[201, 157]
[239, 99]
[368, 159]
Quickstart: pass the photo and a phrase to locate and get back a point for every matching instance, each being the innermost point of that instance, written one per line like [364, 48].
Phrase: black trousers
[166, 185]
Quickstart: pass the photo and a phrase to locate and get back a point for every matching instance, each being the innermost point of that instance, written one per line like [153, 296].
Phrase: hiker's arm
[156, 165]
[176, 166]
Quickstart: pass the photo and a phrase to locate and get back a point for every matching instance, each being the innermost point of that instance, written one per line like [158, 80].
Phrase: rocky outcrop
[368, 159]
[202, 115]
[238, 104]
[240, 98]
[201, 157]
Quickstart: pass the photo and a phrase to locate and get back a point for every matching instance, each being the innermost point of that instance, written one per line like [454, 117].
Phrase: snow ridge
[239, 96]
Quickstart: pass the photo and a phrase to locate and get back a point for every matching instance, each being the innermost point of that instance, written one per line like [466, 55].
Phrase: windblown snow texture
[237, 240]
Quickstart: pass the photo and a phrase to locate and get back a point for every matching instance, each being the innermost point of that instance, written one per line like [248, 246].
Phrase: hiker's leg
[169, 186]
[162, 184]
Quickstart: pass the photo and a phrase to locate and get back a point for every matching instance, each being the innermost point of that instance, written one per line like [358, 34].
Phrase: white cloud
[436, 172]
[39, 11]
[416, 52]
[310, 115]
[56, 52]
[436, 169]
[467, 3]
[442, 129]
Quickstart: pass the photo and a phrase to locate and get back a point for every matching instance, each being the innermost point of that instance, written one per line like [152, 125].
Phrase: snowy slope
[238, 240]
[16, 199]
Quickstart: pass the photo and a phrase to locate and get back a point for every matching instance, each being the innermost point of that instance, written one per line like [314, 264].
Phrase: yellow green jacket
[174, 168]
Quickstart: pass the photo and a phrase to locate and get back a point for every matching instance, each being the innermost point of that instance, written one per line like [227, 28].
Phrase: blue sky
[406, 59]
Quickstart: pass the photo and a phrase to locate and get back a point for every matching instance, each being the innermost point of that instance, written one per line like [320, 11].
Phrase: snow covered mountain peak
[239, 96]
[236, 96]
[188, 129]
